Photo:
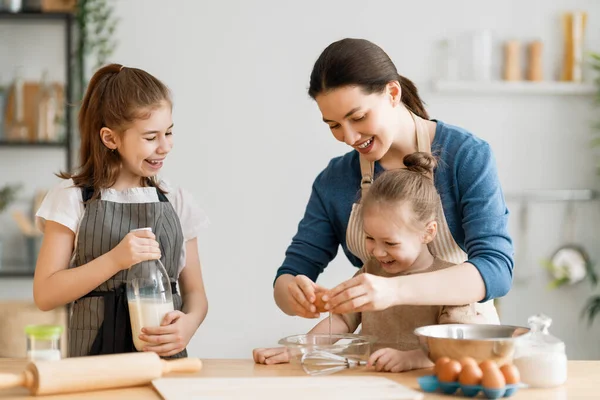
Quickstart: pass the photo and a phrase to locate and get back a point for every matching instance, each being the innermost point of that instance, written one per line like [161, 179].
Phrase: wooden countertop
[583, 380]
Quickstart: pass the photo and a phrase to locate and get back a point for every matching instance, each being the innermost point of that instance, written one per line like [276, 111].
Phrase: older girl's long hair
[115, 97]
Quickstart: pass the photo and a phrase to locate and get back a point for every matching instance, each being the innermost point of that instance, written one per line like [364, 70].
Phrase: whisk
[321, 362]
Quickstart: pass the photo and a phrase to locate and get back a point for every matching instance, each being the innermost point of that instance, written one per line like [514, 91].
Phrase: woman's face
[366, 122]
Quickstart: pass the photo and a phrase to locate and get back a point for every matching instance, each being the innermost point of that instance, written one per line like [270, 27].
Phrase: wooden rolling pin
[80, 374]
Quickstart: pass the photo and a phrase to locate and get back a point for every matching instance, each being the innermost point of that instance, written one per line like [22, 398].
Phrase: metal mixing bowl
[347, 345]
[482, 342]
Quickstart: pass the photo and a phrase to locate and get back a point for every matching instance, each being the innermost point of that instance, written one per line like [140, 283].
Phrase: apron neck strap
[367, 170]
[423, 140]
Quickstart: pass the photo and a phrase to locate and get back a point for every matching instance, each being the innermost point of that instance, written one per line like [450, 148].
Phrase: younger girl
[399, 217]
[126, 132]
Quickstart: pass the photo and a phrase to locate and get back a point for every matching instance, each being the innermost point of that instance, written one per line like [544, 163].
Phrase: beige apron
[443, 246]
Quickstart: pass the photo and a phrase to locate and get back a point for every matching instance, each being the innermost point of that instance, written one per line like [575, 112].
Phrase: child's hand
[391, 360]
[135, 247]
[277, 355]
[364, 292]
[171, 337]
[303, 295]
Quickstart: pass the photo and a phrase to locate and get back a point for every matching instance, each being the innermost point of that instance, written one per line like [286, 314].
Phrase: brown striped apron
[443, 246]
[99, 321]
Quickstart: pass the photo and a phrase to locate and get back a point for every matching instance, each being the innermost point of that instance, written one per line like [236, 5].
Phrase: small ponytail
[420, 162]
[413, 184]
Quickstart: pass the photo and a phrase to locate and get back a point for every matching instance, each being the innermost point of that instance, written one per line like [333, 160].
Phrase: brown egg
[470, 375]
[511, 374]
[449, 372]
[493, 378]
[438, 364]
[464, 361]
[319, 303]
[487, 364]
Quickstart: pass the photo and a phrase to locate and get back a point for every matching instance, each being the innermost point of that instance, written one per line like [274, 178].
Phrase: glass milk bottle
[539, 356]
[149, 297]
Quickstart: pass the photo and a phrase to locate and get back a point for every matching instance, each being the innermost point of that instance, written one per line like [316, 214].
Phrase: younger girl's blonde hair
[413, 184]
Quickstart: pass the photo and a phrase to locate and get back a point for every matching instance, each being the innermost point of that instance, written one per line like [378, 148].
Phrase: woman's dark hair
[358, 62]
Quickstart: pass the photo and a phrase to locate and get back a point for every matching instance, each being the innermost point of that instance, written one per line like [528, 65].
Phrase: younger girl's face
[392, 237]
[145, 145]
[363, 121]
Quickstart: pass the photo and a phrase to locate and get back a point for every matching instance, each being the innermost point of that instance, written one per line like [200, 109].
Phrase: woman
[369, 106]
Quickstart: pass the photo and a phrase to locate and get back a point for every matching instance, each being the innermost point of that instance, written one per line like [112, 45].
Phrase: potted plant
[8, 194]
[592, 308]
[96, 24]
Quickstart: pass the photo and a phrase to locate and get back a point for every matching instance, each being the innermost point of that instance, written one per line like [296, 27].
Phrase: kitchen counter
[583, 381]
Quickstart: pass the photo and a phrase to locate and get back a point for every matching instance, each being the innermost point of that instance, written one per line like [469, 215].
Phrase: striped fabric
[104, 225]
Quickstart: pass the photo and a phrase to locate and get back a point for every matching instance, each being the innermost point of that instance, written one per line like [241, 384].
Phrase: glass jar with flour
[149, 297]
[541, 357]
[43, 342]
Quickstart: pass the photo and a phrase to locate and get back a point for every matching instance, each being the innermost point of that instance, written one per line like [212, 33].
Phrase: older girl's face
[366, 122]
[147, 142]
[144, 146]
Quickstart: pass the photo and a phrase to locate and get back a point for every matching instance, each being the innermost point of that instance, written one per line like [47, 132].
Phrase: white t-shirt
[64, 205]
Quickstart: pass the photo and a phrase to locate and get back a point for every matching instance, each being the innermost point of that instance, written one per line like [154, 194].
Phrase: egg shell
[470, 375]
[450, 371]
[438, 364]
[319, 303]
[487, 364]
[464, 361]
[493, 378]
[511, 374]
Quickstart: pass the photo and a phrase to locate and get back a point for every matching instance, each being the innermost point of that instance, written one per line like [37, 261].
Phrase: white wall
[249, 141]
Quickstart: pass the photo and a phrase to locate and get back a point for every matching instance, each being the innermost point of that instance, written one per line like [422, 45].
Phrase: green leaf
[596, 141]
[593, 55]
[555, 284]
[591, 272]
[591, 309]
[8, 194]
[547, 264]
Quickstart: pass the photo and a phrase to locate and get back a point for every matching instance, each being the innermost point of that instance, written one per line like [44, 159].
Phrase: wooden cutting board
[288, 388]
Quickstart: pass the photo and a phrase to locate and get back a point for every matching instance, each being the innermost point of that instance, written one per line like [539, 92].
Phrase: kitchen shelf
[35, 15]
[10, 270]
[67, 21]
[12, 143]
[522, 87]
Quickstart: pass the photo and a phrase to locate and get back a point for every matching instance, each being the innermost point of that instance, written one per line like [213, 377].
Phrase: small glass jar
[539, 356]
[43, 342]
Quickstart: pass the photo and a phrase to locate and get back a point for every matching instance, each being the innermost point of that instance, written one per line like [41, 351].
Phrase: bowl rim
[419, 332]
[365, 339]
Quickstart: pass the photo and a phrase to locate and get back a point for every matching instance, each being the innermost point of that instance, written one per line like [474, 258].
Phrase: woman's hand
[277, 355]
[302, 296]
[135, 247]
[171, 337]
[364, 292]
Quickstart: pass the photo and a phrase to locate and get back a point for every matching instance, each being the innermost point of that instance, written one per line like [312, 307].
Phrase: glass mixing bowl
[347, 345]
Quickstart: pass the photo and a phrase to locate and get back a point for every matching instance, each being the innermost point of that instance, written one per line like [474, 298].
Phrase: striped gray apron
[99, 322]
[443, 246]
